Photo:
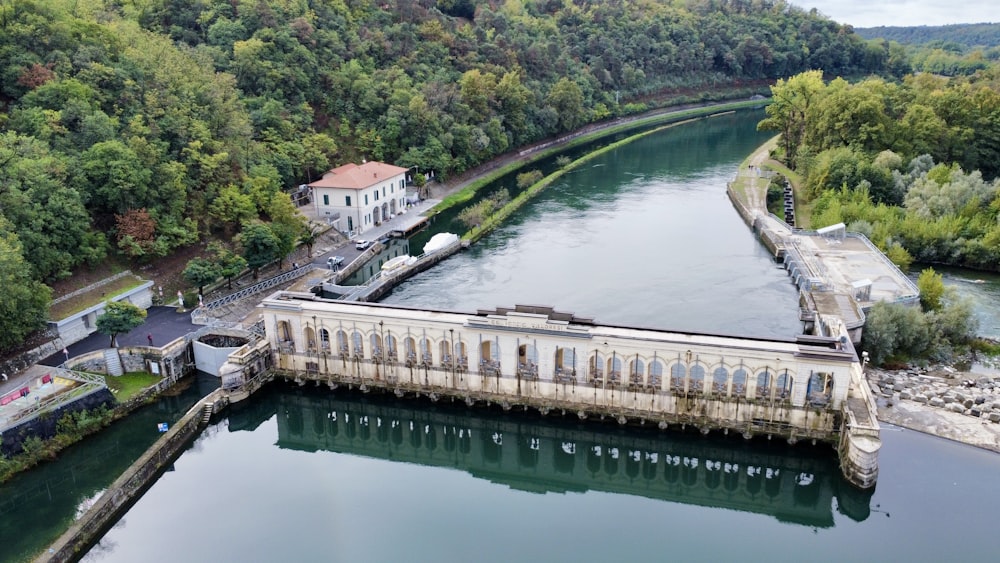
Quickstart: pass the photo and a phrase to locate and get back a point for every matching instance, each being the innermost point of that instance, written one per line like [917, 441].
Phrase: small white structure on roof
[358, 197]
[834, 233]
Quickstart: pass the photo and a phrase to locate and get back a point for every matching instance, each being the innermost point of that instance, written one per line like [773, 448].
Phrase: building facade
[354, 198]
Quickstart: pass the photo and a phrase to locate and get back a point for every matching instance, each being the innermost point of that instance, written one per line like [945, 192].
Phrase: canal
[644, 236]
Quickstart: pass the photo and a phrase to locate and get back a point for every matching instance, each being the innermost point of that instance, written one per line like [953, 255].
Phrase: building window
[348, 203]
[383, 191]
[376, 195]
[366, 199]
[326, 199]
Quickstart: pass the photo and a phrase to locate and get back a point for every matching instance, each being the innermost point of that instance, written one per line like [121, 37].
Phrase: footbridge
[535, 357]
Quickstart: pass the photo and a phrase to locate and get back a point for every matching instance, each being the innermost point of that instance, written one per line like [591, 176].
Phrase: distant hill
[967, 35]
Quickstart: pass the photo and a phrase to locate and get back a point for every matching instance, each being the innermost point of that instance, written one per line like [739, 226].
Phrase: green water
[36, 506]
[643, 236]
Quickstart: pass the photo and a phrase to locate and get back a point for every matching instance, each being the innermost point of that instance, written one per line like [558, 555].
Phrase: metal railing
[258, 287]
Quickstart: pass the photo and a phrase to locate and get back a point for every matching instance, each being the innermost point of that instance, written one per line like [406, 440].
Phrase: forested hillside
[137, 127]
[949, 50]
[964, 34]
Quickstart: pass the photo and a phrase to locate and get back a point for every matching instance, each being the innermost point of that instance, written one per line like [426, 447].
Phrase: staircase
[113, 362]
[206, 413]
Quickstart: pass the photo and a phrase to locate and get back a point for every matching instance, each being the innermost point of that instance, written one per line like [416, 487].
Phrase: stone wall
[136, 479]
[20, 362]
[45, 425]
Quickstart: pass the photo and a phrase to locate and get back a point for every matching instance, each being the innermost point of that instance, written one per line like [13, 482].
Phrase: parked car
[334, 262]
[362, 244]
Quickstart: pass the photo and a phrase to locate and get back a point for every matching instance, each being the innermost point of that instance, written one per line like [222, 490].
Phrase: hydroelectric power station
[810, 387]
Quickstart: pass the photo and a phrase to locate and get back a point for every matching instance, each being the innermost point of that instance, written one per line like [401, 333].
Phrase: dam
[807, 388]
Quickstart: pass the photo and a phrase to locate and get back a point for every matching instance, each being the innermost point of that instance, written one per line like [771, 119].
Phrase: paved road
[164, 323]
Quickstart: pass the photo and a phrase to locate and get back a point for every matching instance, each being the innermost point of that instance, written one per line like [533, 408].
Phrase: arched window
[342, 343]
[358, 344]
[444, 353]
[720, 378]
[677, 375]
[461, 354]
[596, 367]
[285, 332]
[410, 346]
[615, 368]
[310, 338]
[324, 339]
[425, 351]
[697, 377]
[783, 386]
[655, 373]
[390, 347]
[637, 372]
[527, 360]
[565, 361]
[376, 346]
[489, 355]
[820, 389]
[764, 384]
[739, 383]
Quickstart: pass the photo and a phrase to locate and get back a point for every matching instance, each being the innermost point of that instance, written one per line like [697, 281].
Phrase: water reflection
[37, 505]
[554, 454]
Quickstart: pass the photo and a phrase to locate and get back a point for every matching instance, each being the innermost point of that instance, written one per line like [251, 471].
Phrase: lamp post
[452, 331]
[381, 336]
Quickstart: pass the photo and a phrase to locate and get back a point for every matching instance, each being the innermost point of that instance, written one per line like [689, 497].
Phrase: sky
[873, 13]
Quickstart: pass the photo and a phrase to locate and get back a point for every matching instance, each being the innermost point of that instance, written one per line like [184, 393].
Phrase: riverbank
[940, 401]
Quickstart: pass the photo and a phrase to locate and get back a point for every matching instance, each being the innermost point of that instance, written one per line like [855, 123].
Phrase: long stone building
[533, 356]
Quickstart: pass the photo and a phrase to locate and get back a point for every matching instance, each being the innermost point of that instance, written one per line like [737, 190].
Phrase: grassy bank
[504, 212]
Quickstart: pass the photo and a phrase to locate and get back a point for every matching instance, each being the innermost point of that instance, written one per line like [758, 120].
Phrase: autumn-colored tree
[35, 75]
[136, 232]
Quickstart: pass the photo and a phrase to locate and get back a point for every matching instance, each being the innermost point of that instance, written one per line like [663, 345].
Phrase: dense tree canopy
[914, 165]
[140, 126]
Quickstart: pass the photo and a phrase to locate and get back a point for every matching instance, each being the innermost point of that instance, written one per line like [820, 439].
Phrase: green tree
[200, 272]
[230, 263]
[286, 223]
[25, 303]
[790, 105]
[566, 98]
[931, 286]
[260, 246]
[232, 207]
[119, 317]
[308, 239]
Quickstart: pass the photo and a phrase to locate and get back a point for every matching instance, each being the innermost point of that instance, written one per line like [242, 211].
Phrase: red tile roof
[354, 177]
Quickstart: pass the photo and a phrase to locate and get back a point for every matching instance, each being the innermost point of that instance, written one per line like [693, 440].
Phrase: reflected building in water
[554, 455]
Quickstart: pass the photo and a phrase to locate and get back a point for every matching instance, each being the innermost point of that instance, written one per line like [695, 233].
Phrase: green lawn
[129, 385]
[96, 296]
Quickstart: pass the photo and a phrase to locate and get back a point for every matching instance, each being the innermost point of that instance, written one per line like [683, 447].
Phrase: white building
[356, 198]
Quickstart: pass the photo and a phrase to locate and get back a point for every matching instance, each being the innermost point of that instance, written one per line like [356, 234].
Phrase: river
[645, 236]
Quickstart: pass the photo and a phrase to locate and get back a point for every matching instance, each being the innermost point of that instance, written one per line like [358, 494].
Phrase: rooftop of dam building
[837, 272]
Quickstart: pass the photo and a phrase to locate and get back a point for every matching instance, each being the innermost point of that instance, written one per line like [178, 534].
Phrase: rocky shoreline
[942, 401]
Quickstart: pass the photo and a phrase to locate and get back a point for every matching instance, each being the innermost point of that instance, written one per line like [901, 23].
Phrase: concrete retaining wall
[129, 487]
